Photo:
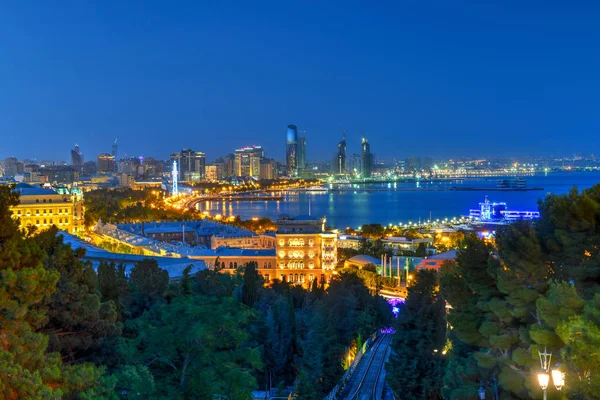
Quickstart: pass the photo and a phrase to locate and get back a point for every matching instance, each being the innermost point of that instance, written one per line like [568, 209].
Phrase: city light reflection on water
[380, 204]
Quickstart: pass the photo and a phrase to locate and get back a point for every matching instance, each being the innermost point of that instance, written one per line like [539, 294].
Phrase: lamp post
[558, 377]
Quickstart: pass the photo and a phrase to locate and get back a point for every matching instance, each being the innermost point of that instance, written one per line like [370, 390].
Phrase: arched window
[222, 264]
[44, 200]
[230, 264]
[235, 264]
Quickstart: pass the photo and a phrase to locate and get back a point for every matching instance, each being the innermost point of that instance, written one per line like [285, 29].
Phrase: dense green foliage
[28, 368]
[126, 205]
[535, 289]
[416, 367]
[68, 331]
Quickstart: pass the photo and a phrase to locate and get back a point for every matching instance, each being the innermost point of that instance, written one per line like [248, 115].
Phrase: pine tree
[78, 322]
[148, 285]
[27, 371]
[417, 363]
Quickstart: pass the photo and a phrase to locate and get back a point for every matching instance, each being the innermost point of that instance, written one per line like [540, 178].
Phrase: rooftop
[25, 189]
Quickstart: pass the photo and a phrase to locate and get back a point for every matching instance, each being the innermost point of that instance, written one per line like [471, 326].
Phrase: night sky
[444, 78]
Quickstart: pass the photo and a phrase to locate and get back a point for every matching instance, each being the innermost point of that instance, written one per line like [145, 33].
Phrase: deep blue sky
[418, 77]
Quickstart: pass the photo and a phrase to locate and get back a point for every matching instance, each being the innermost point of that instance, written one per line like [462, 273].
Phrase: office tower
[105, 163]
[367, 158]
[247, 161]
[215, 172]
[191, 165]
[338, 165]
[291, 151]
[13, 167]
[76, 156]
[268, 169]
[355, 164]
[114, 153]
[301, 153]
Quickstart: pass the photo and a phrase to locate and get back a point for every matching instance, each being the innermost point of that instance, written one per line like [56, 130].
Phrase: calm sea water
[405, 202]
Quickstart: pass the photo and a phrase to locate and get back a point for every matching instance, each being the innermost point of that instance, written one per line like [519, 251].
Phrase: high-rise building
[76, 156]
[191, 165]
[301, 157]
[105, 163]
[214, 172]
[355, 164]
[247, 161]
[268, 169]
[367, 159]
[13, 167]
[291, 151]
[338, 165]
[115, 151]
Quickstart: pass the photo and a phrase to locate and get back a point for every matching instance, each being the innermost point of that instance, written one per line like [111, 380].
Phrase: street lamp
[558, 377]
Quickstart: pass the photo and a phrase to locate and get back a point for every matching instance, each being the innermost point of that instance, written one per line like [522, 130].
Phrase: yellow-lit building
[43, 207]
[304, 250]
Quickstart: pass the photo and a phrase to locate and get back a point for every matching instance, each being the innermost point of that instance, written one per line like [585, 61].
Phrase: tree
[27, 371]
[417, 363]
[78, 321]
[194, 347]
[149, 284]
[252, 284]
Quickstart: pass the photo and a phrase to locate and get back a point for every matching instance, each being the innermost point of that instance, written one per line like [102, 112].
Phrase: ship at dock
[503, 185]
[497, 213]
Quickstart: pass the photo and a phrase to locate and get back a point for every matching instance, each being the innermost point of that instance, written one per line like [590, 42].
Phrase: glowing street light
[558, 377]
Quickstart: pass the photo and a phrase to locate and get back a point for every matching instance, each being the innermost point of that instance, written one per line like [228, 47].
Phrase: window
[37, 221]
[230, 264]
[235, 264]
[43, 201]
[267, 277]
[37, 212]
[311, 277]
[37, 200]
[45, 221]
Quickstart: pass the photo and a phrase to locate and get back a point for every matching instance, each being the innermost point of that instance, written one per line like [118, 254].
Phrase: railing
[335, 391]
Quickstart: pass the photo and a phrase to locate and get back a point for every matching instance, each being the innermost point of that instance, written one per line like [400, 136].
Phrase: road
[368, 380]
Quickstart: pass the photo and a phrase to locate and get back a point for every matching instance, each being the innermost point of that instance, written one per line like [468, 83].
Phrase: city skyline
[157, 77]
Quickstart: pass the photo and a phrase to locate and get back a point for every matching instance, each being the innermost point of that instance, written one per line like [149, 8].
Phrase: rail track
[369, 383]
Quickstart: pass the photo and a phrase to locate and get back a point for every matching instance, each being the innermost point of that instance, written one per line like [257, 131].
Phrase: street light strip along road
[371, 369]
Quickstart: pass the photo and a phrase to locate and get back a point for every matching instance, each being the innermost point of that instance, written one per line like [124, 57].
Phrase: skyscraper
[191, 165]
[106, 163]
[301, 153]
[247, 161]
[291, 151]
[339, 160]
[115, 148]
[367, 160]
[76, 156]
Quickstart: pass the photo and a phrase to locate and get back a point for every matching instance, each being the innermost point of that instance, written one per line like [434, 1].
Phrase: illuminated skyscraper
[367, 158]
[115, 149]
[106, 163]
[191, 165]
[339, 160]
[301, 154]
[247, 161]
[76, 156]
[291, 151]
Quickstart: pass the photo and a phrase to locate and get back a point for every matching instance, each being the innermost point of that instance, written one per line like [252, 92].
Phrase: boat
[498, 213]
[514, 183]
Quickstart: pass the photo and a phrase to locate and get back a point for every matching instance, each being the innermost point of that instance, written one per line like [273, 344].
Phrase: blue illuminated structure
[492, 212]
[175, 173]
